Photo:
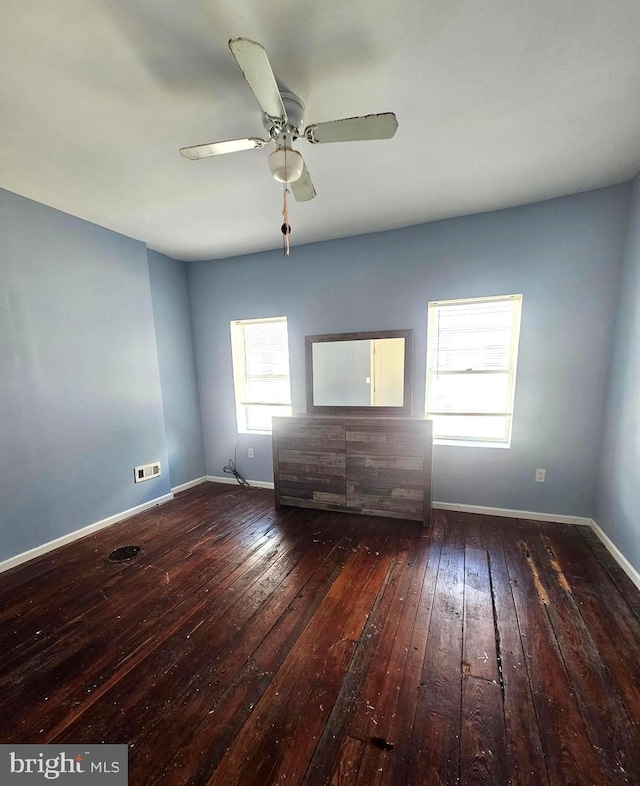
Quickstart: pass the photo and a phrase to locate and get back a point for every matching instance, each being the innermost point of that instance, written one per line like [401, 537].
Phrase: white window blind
[260, 349]
[472, 348]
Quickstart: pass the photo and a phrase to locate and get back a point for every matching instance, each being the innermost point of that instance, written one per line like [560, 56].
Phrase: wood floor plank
[321, 695]
[396, 767]
[347, 765]
[254, 757]
[389, 656]
[253, 646]
[352, 693]
[483, 757]
[436, 734]
[524, 750]
[615, 740]
[611, 623]
[199, 756]
[626, 587]
[386, 692]
[568, 751]
[479, 651]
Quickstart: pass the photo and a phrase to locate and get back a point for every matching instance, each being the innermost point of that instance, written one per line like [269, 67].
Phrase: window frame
[241, 377]
[471, 441]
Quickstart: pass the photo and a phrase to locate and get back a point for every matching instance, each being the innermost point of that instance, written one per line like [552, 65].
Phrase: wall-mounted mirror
[359, 373]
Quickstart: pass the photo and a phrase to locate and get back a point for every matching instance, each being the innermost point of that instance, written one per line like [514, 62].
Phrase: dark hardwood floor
[251, 647]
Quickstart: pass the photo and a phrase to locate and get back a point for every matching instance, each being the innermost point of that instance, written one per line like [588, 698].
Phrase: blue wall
[174, 338]
[563, 255]
[618, 509]
[80, 401]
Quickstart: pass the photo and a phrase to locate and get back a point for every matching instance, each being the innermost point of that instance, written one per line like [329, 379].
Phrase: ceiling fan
[283, 117]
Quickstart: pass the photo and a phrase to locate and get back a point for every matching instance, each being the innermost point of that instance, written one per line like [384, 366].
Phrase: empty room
[320, 393]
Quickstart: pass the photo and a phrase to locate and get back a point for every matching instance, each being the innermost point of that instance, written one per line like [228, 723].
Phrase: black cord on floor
[232, 469]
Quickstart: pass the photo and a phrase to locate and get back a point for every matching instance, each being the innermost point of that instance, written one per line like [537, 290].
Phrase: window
[260, 350]
[472, 348]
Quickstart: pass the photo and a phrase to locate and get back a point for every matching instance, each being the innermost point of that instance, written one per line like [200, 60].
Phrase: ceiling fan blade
[255, 66]
[220, 148]
[302, 188]
[353, 129]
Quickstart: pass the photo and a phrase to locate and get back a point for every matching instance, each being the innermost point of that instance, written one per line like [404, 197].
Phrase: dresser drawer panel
[385, 443]
[406, 493]
[388, 514]
[289, 427]
[366, 503]
[307, 486]
[400, 463]
[385, 490]
[310, 503]
[302, 443]
[309, 427]
[384, 476]
[313, 458]
[331, 499]
[392, 425]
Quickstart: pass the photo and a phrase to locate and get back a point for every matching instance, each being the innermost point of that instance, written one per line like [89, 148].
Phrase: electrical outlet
[540, 473]
[250, 453]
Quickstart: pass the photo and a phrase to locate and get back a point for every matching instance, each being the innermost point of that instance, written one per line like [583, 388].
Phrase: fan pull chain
[285, 228]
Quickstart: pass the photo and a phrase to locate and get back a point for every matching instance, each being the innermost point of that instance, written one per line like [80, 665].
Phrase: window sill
[461, 443]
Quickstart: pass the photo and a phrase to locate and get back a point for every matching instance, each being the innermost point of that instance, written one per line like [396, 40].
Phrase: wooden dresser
[373, 466]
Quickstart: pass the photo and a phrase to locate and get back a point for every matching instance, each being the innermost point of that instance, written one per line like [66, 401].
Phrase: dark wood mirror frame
[371, 411]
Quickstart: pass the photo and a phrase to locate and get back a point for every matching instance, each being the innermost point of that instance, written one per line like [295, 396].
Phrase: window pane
[266, 349]
[259, 418]
[473, 336]
[470, 393]
[471, 427]
[272, 390]
[471, 365]
[260, 355]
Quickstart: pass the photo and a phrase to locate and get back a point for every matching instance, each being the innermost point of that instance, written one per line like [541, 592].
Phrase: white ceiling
[499, 103]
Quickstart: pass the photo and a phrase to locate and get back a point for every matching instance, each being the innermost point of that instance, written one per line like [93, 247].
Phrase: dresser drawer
[386, 471]
[395, 503]
[312, 463]
[385, 443]
[309, 437]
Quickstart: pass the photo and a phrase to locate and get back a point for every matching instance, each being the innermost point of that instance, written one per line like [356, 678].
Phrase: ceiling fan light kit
[286, 164]
[283, 119]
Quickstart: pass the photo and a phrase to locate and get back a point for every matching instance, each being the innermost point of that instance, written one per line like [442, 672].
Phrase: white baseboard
[189, 484]
[259, 484]
[38, 551]
[558, 518]
[615, 552]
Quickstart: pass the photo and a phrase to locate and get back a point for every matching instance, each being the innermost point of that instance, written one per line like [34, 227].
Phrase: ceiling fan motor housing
[285, 163]
[294, 107]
